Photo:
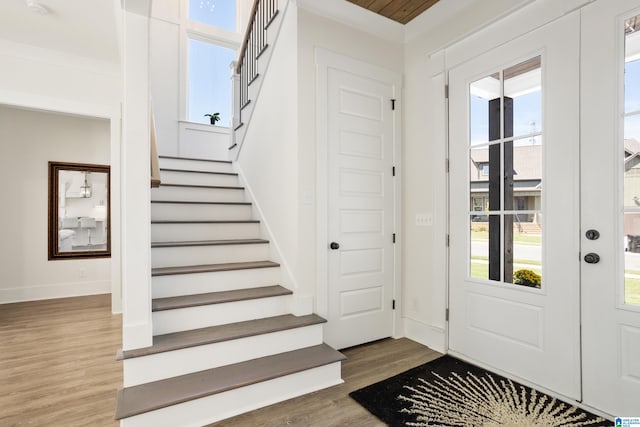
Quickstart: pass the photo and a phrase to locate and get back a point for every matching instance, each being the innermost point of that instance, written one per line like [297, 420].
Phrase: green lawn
[481, 269]
[632, 291]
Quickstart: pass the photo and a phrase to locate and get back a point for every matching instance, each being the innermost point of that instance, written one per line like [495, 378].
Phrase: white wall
[57, 81]
[164, 78]
[268, 157]
[28, 140]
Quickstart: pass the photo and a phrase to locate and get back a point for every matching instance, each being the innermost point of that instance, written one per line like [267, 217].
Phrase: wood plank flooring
[58, 368]
[57, 362]
[333, 407]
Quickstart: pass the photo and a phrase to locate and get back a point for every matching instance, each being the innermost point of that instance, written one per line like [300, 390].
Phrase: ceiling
[401, 11]
[84, 28]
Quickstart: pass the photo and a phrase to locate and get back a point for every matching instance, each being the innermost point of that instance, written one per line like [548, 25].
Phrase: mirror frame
[54, 172]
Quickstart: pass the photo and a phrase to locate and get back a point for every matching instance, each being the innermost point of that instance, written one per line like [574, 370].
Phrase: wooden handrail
[155, 161]
[247, 35]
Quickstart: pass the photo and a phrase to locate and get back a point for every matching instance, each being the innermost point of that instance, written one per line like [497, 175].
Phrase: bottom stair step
[156, 395]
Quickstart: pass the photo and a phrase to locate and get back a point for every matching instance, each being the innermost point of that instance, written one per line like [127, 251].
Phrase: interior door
[610, 191]
[514, 243]
[360, 206]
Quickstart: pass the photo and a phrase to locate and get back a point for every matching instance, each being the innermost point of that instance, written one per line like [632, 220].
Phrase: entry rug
[450, 392]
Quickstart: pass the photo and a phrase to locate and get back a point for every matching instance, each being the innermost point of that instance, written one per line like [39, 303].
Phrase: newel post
[235, 99]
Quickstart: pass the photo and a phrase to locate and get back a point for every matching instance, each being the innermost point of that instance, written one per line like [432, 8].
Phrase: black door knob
[334, 246]
[592, 234]
[592, 258]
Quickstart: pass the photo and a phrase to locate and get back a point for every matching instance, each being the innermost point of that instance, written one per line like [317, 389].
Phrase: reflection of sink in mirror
[88, 222]
[69, 223]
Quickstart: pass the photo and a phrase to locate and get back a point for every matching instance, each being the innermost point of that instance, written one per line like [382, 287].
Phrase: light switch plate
[424, 219]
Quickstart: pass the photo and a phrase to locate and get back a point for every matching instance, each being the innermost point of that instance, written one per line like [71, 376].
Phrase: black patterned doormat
[450, 392]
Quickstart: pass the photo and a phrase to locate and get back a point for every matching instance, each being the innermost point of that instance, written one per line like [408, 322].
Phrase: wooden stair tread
[249, 221]
[209, 268]
[195, 159]
[213, 187]
[185, 301]
[220, 333]
[155, 395]
[194, 171]
[208, 243]
[179, 202]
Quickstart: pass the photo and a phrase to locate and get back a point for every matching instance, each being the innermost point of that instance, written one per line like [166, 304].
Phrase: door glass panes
[217, 13]
[631, 162]
[523, 86]
[209, 82]
[526, 176]
[479, 252]
[505, 170]
[480, 93]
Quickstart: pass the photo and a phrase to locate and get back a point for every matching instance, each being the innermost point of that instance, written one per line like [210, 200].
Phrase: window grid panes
[505, 152]
[631, 162]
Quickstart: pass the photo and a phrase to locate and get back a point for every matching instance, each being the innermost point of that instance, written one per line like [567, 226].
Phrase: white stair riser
[168, 321]
[191, 212]
[155, 367]
[218, 281]
[196, 165]
[193, 232]
[202, 255]
[194, 178]
[195, 194]
[234, 402]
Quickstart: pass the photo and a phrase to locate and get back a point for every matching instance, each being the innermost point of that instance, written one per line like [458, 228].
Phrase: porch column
[496, 189]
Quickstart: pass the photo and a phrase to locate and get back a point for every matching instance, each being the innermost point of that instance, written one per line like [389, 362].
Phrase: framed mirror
[79, 219]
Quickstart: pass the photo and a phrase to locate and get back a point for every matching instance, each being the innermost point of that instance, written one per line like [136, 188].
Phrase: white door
[610, 196]
[359, 241]
[514, 243]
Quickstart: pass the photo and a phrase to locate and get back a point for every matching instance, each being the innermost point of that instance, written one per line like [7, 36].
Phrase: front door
[360, 201]
[610, 206]
[514, 206]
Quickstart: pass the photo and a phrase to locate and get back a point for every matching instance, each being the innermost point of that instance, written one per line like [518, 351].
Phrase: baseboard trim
[432, 336]
[53, 291]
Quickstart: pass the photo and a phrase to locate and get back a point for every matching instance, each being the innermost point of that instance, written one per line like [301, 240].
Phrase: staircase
[225, 341]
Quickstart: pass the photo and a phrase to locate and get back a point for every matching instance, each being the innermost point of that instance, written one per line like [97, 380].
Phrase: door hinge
[446, 165]
[448, 240]
[394, 237]
[393, 304]
[446, 91]
[393, 171]
[446, 315]
[393, 104]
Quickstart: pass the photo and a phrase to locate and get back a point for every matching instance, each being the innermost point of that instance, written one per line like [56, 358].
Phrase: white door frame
[325, 60]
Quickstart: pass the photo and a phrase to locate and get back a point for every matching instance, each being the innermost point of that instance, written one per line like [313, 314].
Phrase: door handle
[592, 258]
[334, 245]
[592, 234]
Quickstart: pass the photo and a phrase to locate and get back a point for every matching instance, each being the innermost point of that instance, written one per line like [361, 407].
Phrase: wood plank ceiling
[401, 11]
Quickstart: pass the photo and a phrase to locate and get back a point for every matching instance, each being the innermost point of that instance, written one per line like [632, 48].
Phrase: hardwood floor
[333, 407]
[58, 368]
[57, 362]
